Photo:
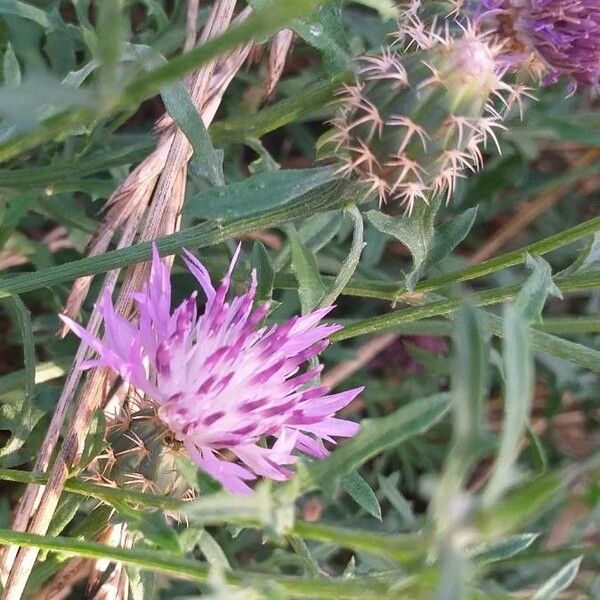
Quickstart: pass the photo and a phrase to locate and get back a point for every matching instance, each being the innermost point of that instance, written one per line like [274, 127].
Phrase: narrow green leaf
[21, 419]
[374, 437]
[11, 71]
[361, 493]
[350, 264]
[502, 548]
[261, 192]
[389, 487]
[212, 551]
[449, 235]
[324, 198]
[518, 368]
[524, 502]
[559, 582]
[311, 288]
[152, 525]
[416, 232]
[539, 285]
[264, 272]
[470, 380]
[206, 161]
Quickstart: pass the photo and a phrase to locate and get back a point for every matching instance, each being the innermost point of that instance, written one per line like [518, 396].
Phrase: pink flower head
[221, 380]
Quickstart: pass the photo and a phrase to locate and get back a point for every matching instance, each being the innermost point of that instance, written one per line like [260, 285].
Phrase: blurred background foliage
[435, 499]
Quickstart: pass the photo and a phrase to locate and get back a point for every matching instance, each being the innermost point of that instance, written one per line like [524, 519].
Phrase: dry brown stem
[164, 174]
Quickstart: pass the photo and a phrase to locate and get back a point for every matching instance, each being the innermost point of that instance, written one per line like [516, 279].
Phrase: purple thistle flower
[564, 35]
[221, 380]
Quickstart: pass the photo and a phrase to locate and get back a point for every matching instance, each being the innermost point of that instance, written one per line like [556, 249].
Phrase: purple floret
[565, 34]
[221, 380]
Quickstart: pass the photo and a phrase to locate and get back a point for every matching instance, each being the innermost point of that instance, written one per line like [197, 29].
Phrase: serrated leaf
[416, 232]
[559, 582]
[360, 491]
[261, 192]
[502, 548]
[311, 287]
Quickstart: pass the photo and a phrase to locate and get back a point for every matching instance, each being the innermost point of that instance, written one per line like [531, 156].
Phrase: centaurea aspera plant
[555, 37]
[223, 382]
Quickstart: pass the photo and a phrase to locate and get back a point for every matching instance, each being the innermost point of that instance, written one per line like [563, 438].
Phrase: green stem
[517, 257]
[178, 566]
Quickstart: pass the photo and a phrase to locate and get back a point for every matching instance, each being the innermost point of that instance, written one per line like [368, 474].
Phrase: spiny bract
[413, 122]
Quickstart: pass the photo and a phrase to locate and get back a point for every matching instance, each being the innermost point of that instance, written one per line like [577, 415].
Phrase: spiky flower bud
[142, 453]
[558, 37]
[414, 120]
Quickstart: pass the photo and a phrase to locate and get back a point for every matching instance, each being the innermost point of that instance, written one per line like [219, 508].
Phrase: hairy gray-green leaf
[263, 191]
[361, 493]
[375, 436]
[559, 582]
[502, 548]
[311, 288]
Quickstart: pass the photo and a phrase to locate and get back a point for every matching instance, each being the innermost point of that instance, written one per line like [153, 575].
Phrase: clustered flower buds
[416, 116]
[559, 37]
[223, 383]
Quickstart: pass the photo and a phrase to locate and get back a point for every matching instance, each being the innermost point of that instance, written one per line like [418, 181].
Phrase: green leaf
[386, 8]
[266, 508]
[532, 298]
[264, 272]
[352, 261]
[311, 288]
[416, 232]
[502, 548]
[519, 379]
[240, 129]
[151, 524]
[559, 582]
[261, 192]
[375, 436]
[324, 198]
[389, 488]
[452, 233]
[21, 419]
[361, 493]
[470, 381]
[11, 71]
[206, 161]
[324, 30]
[524, 502]
[142, 584]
